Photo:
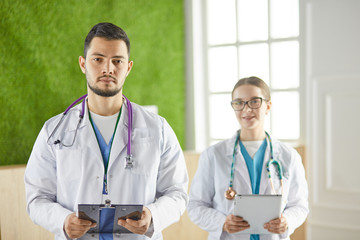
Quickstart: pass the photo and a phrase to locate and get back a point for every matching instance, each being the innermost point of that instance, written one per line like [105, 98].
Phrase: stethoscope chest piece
[230, 193]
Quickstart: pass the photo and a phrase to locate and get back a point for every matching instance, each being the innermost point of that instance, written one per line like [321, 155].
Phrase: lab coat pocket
[142, 135]
[146, 157]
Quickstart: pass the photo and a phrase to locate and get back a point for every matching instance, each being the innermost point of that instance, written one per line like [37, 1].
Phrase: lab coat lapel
[241, 182]
[265, 187]
[120, 138]
[243, 174]
[90, 141]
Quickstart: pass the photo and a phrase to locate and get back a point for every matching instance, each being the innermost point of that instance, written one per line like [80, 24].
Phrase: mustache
[107, 76]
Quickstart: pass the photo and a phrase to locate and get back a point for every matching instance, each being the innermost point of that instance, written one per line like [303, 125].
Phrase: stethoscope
[230, 193]
[129, 159]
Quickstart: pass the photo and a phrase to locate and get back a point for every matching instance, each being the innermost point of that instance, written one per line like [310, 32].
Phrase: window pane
[254, 61]
[284, 18]
[285, 65]
[223, 122]
[285, 115]
[222, 69]
[253, 20]
[221, 21]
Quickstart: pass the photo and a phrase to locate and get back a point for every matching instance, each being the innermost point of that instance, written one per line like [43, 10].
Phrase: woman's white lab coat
[58, 178]
[208, 206]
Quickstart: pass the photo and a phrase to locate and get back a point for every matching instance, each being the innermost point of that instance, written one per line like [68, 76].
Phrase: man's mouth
[107, 79]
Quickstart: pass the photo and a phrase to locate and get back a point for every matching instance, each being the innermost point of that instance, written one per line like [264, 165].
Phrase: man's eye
[97, 59]
[117, 61]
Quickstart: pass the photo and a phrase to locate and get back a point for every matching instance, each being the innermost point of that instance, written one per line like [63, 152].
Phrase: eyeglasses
[254, 103]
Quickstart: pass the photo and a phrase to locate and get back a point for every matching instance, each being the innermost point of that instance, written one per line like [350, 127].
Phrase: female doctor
[242, 160]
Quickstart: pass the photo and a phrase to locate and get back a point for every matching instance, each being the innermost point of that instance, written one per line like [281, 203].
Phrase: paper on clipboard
[257, 210]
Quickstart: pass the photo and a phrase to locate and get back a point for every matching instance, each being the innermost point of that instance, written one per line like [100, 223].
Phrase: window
[242, 38]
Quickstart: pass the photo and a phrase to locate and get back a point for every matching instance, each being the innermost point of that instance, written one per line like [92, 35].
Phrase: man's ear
[82, 62]
[130, 65]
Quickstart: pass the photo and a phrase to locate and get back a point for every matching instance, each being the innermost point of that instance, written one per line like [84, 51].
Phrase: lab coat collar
[120, 140]
[230, 147]
[77, 109]
[265, 187]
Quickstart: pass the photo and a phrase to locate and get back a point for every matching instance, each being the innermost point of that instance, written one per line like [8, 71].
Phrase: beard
[103, 93]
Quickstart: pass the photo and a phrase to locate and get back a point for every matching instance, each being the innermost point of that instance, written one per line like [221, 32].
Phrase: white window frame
[197, 90]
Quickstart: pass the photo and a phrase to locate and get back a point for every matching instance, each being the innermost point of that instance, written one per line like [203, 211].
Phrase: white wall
[332, 71]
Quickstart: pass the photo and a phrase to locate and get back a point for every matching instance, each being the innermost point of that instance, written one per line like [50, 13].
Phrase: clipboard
[91, 212]
[257, 210]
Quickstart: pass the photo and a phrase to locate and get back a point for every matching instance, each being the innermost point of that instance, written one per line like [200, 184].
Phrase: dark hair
[255, 81]
[108, 31]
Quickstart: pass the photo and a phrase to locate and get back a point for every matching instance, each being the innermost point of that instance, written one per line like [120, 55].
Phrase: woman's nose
[247, 108]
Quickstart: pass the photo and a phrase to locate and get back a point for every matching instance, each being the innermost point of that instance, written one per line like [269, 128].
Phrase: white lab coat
[208, 206]
[58, 178]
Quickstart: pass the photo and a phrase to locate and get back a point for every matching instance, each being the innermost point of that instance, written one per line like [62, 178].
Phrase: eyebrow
[102, 55]
[241, 99]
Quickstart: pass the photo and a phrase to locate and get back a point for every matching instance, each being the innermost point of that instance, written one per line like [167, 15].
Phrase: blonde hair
[255, 81]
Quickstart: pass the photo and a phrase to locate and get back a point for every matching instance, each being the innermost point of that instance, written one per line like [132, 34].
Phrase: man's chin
[105, 93]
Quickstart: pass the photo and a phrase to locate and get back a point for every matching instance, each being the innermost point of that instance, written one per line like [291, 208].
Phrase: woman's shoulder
[286, 154]
[224, 146]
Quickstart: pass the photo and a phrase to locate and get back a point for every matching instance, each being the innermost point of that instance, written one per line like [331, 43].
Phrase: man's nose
[108, 68]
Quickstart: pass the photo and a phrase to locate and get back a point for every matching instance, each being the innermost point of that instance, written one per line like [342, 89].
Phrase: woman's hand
[278, 225]
[235, 224]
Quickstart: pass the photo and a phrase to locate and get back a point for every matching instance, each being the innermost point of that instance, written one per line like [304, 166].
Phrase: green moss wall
[41, 41]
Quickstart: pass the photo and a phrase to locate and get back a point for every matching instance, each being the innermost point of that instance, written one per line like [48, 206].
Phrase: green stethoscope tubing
[271, 161]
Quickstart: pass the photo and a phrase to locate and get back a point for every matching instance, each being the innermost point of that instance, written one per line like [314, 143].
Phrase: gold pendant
[230, 194]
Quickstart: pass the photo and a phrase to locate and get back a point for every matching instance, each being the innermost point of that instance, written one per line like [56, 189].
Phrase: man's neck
[104, 106]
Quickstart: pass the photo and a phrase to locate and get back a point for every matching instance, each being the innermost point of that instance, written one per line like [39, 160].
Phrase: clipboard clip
[107, 203]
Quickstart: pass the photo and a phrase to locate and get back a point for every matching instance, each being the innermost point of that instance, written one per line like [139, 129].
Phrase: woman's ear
[268, 107]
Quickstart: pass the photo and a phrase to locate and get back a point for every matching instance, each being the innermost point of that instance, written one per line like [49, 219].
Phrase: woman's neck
[252, 135]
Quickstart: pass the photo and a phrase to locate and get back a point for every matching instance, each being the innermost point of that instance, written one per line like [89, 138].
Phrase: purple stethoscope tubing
[130, 119]
[81, 116]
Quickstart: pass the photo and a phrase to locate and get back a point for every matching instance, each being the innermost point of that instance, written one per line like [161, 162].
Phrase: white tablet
[257, 210]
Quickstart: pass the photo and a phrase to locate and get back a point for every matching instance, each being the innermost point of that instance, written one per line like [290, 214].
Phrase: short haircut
[255, 81]
[108, 31]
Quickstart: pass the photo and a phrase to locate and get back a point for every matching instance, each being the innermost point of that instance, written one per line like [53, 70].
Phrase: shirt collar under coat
[75, 113]
[230, 147]
[264, 186]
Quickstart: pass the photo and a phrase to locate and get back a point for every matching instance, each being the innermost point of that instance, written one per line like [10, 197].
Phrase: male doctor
[60, 175]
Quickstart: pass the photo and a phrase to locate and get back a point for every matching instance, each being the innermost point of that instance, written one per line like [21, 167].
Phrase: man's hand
[278, 225]
[235, 224]
[76, 227]
[138, 226]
